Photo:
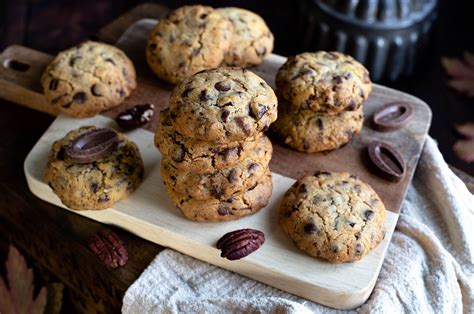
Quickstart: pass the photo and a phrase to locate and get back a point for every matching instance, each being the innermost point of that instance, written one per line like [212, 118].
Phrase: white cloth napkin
[428, 268]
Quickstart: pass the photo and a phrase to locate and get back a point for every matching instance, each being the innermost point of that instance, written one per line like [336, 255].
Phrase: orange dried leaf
[464, 148]
[17, 297]
[461, 72]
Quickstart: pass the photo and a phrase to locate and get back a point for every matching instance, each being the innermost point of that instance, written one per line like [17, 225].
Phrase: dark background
[51, 26]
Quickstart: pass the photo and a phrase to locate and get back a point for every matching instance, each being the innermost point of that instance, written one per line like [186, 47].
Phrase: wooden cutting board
[149, 214]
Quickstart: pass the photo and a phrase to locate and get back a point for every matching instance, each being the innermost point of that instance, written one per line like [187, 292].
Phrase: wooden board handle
[20, 73]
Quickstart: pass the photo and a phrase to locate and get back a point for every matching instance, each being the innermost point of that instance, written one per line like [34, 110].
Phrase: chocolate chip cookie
[88, 79]
[222, 105]
[324, 82]
[83, 184]
[219, 183]
[233, 207]
[186, 41]
[252, 39]
[192, 155]
[333, 215]
[309, 132]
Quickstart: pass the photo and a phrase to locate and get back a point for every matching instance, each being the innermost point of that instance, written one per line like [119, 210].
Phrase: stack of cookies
[321, 96]
[215, 156]
[196, 37]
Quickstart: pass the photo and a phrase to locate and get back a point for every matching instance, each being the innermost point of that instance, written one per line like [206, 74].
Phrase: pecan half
[240, 243]
[109, 248]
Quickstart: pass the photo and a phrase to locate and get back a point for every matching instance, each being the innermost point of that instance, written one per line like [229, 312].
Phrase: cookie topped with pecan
[333, 215]
[222, 105]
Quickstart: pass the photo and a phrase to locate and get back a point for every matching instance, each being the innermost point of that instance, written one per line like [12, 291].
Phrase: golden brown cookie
[88, 79]
[188, 40]
[219, 183]
[333, 215]
[96, 184]
[324, 82]
[231, 208]
[187, 154]
[309, 132]
[222, 105]
[252, 39]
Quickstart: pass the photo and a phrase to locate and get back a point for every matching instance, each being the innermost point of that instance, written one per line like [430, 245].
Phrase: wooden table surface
[52, 239]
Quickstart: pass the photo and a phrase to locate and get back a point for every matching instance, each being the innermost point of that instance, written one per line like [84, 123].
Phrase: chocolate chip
[203, 16]
[73, 60]
[228, 104]
[241, 124]
[322, 173]
[151, 46]
[223, 210]
[352, 105]
[80, 97]
[53, 85]
[222, 86]
[361, 93]
[354, 177]
[303, 188]
[338, 79]
[203, 96]
[178, 154]
[94, 187]
[96, 90]
[252, 166]
[186, 92]
[335, 249]
[258, 112]
[216, 192]
[357, 188]
[113, 62]
[233, 177]
[352, 224]
[320, 124]
[357, 235]
[317, 199]
[121, 92]
[368, 214]
[227, 153]
[60, 155]
[358, 249]
[224, 115]
[311, 228]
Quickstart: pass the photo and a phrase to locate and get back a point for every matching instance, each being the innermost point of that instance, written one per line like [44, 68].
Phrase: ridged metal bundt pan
[385, 35]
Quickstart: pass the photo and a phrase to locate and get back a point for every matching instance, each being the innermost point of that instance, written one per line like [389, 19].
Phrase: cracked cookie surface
[252, 39]
[324, 82]
[309, 132]
[231, 208]
[192, 155]
[222, 105]
[95, 185]
[188, 40]
[222, 183]
[334, 216]
[88, 78]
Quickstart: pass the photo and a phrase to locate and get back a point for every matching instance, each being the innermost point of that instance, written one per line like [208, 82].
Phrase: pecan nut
[109, 248]
[136, 116]
[240, 243]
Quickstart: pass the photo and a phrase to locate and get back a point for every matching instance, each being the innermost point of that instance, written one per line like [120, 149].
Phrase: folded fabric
[428, 268]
